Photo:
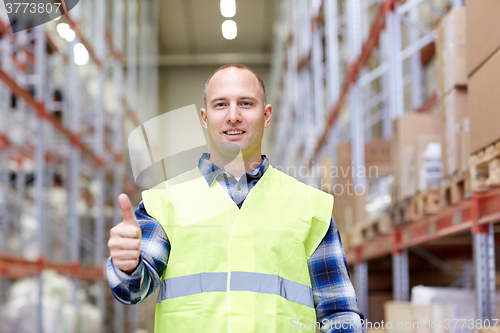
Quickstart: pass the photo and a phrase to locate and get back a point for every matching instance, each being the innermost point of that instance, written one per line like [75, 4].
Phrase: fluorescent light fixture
[70, 36]
[228, 8]
[81, 55]
[229, 29]
[63, 29]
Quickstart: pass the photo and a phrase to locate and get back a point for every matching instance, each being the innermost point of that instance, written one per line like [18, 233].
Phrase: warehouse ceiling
[190, 32]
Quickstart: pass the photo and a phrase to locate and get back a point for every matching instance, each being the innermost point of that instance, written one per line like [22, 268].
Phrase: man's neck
[236, 166]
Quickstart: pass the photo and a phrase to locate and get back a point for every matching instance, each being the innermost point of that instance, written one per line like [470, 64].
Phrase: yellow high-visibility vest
[238, 270]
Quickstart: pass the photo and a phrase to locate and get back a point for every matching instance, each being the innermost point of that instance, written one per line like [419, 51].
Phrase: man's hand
[125, 238]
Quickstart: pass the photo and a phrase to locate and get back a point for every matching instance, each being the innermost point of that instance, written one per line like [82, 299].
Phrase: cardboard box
[483, 32]
[491, 329]
[342, 214]
[377, 155]
[406, 317]
[484, 104]
[352, 202]
[453, 111]
[349, 210]
[343, 208]
[451, 50]
[433, 305]
[453, 312]
[405, 130]
[465, 144]
[422, 173]
[324, 171]
[426, 295]
[357, 235]
[398, 312]
[407, 179]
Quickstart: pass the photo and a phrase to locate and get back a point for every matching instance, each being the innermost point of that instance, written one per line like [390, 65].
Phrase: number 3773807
[33, 8]
[470, 323]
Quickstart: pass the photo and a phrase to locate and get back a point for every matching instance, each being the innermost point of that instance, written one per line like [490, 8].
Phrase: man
[249, 249]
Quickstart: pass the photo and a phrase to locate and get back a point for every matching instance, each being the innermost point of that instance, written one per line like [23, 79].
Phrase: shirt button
[238, 187]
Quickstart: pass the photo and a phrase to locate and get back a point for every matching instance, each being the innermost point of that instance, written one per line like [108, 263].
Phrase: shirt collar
[211, 171]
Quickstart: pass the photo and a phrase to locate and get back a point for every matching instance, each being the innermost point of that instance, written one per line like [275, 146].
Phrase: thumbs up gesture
[125, 238]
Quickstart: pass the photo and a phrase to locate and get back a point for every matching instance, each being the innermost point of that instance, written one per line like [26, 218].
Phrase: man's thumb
[126, 207]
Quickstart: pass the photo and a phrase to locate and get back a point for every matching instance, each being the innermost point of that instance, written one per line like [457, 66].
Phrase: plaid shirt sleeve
[334, 296]
[155, 248]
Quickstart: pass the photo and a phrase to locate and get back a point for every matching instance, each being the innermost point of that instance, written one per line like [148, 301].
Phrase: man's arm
[334, 296]
[155, 249]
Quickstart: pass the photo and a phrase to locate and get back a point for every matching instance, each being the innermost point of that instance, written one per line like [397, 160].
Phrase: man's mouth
[234, 132]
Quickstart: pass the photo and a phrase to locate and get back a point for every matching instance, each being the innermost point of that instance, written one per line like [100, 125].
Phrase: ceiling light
[228, 8]
[229, 29]
[70, 36]
[63, 29]
[81, 55]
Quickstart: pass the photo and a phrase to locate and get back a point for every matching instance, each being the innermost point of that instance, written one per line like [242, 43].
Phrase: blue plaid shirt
[334, 296]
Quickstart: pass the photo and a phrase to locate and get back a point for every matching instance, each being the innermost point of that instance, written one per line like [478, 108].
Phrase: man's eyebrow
[218, 99]
[225, 98]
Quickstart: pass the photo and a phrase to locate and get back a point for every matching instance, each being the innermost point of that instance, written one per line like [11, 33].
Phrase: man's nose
[234, 114]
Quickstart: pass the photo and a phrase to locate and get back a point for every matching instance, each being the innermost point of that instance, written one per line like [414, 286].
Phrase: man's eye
[219, 105]
[246, 103]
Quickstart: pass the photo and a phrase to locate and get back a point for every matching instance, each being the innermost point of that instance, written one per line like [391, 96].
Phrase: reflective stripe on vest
[240, 281]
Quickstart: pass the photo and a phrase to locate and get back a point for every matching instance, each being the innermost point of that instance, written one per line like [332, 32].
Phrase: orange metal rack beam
[377, 26]
[15, 267]
[39, 106]
[470, 214]
[19, 267]
[116, 54]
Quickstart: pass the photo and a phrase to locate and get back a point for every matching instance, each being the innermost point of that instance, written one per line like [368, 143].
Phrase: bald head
[239, 66]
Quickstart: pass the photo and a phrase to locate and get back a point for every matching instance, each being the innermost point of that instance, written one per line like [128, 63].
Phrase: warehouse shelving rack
[63, 125]
[375, 53]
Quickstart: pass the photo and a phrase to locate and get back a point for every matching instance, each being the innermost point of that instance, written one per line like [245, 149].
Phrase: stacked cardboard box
[490, 329]
[452, 78]
[442, 317]
[397, 315]
[434, 310]
[349, 209]
[451, 50]
[455, 131]
[409, 132]
[326, 181]
[483, 70]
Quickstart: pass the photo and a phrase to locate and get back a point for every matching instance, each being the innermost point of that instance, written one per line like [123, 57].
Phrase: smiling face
[235, 115]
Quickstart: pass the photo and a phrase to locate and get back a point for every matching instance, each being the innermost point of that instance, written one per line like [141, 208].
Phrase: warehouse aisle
[391, 106]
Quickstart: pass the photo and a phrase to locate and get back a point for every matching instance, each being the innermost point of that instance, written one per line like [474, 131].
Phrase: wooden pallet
[456, 188]
[485, 168]
[356, 238]
[413, 210]
[422, 204]
[429, 201]
[376, 226]
[397, 212]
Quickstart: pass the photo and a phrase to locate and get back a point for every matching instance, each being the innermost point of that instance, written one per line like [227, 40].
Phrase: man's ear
[268, 114]
[203, 114]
